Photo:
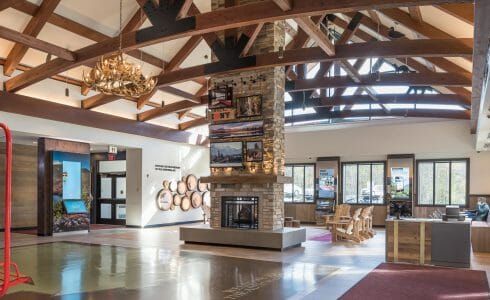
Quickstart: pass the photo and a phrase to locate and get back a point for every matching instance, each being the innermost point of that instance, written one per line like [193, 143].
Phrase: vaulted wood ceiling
[46, 44]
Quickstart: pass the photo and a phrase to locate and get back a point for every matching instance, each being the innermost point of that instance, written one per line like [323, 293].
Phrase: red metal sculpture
[9, 277]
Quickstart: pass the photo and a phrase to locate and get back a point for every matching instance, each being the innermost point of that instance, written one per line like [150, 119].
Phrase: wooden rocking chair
[352, 231]
[342, 213]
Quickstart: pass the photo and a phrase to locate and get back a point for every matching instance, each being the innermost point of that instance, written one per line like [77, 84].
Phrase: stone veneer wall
[271, 195]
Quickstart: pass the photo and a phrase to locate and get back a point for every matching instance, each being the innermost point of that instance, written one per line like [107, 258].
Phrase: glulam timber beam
[32, 29]
[32, 42]
[383, 79]
[464, 12]
[366, 113]
[431, 99]
[227, 18]
[394, 49]
[193, 123]
[169, 109]
[480, 59]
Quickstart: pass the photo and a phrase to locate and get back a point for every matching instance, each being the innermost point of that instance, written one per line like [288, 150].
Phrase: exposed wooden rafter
[464, 12]
[33, 28]
[169, 109]
[23, 105]
[395, 49]
[415, 13]
[433, 99]
[381, 79]
[440, 62]
[32, 42]
[366, 113]
[252, 32]
[237, 16]
[193, 123]
[4, 4]
[284, 4]
[316, 34]
[480, 56]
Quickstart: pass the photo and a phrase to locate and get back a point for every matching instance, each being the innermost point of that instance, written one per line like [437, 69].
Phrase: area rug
[403, 281]
[324, 237]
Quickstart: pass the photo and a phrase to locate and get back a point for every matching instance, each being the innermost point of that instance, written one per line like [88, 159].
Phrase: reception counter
[429, 241]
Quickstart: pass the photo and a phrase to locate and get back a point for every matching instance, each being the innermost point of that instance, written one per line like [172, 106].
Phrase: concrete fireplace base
[277, 240]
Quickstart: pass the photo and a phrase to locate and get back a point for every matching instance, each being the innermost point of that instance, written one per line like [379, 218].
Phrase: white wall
[143, 181]
[441, 139]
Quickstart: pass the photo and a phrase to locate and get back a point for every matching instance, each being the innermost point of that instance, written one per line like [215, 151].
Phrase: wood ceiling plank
[32, 42]
[464, 12]
[383, 79]
[237, 16]
[33, 28]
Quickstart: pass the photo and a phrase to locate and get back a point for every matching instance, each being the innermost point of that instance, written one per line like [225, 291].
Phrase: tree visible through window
[303, 187]
[363, 183]
[442, 182]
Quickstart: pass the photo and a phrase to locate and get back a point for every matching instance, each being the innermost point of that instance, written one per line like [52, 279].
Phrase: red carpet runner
[400, 281]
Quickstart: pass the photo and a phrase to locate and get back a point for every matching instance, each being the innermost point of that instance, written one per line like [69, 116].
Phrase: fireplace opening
[239, 212]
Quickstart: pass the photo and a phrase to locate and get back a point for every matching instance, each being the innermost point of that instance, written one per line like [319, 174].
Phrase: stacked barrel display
[187, 193]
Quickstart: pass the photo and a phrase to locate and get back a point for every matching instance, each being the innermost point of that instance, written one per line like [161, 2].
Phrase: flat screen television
[75, 207]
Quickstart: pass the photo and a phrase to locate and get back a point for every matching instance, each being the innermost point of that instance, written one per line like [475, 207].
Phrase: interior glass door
[111, 199]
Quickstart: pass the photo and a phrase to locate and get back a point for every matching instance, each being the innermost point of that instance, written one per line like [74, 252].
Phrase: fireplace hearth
[239, 212]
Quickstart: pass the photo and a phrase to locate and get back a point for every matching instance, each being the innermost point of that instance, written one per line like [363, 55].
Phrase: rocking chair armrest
[345, 217]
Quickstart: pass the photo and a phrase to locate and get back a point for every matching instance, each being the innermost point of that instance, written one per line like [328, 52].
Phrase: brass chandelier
[114, 75]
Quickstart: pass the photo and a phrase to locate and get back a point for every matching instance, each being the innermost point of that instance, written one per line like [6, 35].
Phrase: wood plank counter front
[428, 241]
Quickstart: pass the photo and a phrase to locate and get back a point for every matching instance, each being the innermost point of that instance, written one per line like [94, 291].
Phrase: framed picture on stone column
[221, 97]
[236, 130]
[228, 154]
[254, 151]
[249, 106]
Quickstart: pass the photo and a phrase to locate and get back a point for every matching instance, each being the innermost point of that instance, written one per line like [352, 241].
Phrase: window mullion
[450, 176]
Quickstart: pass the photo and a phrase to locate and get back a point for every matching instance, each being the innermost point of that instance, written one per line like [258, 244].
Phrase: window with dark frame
[443, 182]
[302, 190]
[363, 182]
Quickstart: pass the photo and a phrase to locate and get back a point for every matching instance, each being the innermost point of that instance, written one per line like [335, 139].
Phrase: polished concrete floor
[154, 264]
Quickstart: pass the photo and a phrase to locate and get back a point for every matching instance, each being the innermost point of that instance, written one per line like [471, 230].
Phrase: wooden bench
[480, 236]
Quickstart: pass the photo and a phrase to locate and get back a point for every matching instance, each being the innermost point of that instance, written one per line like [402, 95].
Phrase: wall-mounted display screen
[400, 183]
[75, 207]
[327, 183]
[72, 180]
